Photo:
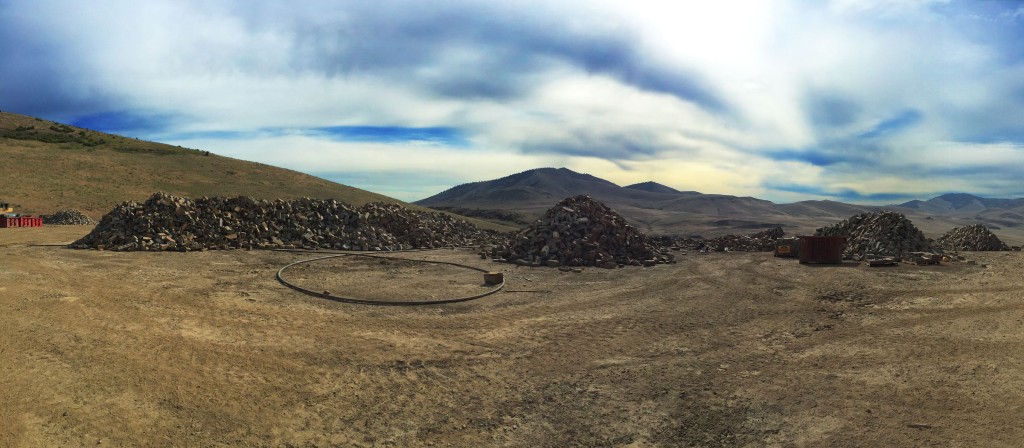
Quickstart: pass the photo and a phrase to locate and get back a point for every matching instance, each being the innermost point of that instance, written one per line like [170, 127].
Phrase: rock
[923, 258]
[69, 217]
[758, 242]
[883, 261]
[883, 234]
[580, 231]
[166, 222]
[975, 237]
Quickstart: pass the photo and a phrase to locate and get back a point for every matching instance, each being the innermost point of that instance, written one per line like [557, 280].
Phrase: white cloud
[696, 95]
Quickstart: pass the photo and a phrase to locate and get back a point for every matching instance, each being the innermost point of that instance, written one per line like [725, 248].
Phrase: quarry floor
[736, 349]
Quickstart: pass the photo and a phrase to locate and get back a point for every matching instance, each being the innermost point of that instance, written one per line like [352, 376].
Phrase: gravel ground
[737, 349]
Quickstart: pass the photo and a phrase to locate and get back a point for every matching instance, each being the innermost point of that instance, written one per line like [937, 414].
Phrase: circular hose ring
[336, 298]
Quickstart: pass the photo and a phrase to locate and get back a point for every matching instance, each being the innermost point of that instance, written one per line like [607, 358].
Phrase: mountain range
[50, 166]
[659, 209]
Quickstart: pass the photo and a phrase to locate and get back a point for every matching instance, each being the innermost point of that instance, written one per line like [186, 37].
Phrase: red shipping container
[822, 249]
[20, 221]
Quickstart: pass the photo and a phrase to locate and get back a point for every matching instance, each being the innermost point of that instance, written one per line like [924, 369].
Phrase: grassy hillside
[48, 166]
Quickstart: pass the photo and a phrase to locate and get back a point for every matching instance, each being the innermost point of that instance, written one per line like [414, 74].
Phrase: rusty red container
[6, 221]
[822, 249]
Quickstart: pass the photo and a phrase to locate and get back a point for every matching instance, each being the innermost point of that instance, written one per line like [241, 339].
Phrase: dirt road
[186, 349]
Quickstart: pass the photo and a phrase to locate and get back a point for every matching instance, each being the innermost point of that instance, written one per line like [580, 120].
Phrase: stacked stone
[580, 231]
[69, 217]
[166, 222]
[759, 242]
[491, 214]
[883, 234]
[974, 237]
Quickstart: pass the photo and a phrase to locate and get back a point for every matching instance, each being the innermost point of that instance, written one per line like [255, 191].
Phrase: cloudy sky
[864, 101]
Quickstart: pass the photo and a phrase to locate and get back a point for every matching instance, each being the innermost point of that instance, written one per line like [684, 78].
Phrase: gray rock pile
[580, 231]
[974, 237]
[883, 234]
[69, 217]
[166, 222]
[759, 242]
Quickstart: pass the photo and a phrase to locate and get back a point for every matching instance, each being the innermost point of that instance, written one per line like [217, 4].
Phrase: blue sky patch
[446, 136]
[125, 122]
[395, 134]
[902, 121]
[816, 158]
[842, 194]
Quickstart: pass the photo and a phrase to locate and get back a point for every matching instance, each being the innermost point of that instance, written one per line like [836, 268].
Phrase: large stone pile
[166, 222]
[759, 242]
[883, 234]
[69, 217]
[974, 237]
[580, 231]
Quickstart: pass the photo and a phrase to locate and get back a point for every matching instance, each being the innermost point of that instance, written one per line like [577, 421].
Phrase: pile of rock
[974, 237]
[69, 217]
[764, 241]
[580, 231]
[166, 222]
[758, 242]
[490, 214]
[883, 234]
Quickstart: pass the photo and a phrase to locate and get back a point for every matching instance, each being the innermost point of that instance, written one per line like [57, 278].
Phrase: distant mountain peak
[653, 187]
[961, 203]
[538, 185]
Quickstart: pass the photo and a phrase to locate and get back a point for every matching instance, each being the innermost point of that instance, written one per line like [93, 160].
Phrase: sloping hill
[49, 166]
[653, 187]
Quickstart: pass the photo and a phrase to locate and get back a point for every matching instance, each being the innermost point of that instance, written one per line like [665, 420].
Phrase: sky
[863, 101]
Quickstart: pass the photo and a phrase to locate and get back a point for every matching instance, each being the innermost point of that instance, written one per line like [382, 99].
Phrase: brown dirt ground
[203, 349]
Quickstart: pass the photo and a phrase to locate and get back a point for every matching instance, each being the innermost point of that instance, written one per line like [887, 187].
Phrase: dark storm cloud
[459, 50]
[35, 78]
[831, 110]
[611, 146]
[488, 50]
